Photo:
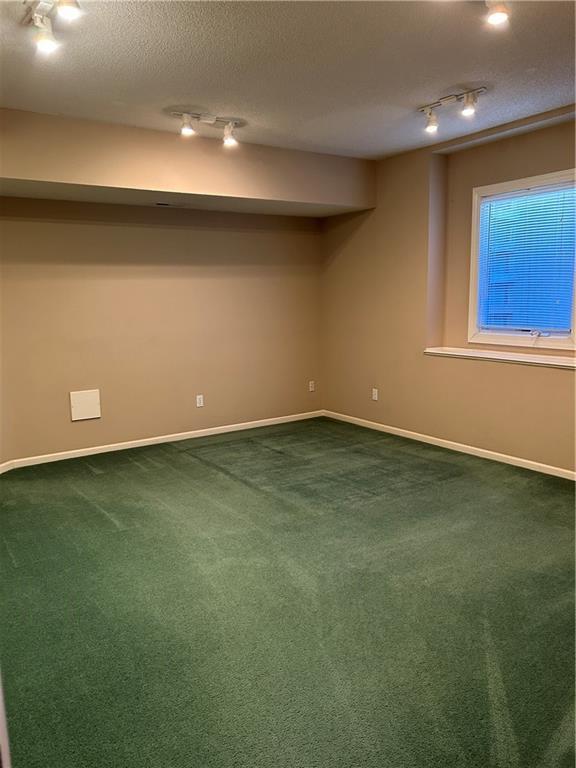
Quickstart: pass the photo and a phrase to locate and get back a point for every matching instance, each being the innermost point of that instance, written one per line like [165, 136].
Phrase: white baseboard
[483, 453]
[79, 452]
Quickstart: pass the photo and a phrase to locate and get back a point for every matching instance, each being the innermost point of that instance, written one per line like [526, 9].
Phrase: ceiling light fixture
[68, 10]
[498, 13]
[431, 122]
[38, 14]
[187, 128]
[45, 41]
[469, 104]
[190, 121]
[469, 100]
[229, 139]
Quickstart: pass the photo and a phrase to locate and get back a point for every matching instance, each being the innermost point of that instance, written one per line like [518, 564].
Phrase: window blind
[526, 260]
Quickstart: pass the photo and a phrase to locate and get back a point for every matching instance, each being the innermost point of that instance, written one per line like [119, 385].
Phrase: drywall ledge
[28, 461]
[72, 159]
[482, 453]
[523, 358]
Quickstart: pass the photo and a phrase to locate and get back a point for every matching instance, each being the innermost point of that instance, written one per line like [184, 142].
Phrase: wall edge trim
[483, 453]
[76, 453]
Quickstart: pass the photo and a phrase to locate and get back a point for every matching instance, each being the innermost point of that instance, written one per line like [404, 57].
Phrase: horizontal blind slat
[527, 244]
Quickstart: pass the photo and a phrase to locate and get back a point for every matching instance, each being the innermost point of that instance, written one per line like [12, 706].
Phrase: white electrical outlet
[199, 401]
[311, 386]
[374, 393]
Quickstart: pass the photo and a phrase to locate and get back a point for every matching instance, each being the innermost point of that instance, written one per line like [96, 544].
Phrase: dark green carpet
[313, 595]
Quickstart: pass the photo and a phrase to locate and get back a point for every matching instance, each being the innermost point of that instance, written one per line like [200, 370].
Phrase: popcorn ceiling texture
[342, 78]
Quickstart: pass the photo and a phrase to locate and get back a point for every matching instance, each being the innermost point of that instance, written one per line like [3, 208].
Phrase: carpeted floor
[313, 595]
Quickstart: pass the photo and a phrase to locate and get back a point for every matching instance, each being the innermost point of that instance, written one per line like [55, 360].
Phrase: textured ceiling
[338, 77]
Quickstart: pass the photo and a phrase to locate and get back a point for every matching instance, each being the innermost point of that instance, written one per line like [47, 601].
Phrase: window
[523, 260]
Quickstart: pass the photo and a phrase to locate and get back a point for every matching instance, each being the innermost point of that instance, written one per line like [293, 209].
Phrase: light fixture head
[45, 41]
[68, 10]
[498, 13]
[229, 140]
[469, 105]
[431, 122]
[187, 128]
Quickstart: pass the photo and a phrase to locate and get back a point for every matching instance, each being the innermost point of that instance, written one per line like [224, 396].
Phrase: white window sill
[523, 358]
[559, 343]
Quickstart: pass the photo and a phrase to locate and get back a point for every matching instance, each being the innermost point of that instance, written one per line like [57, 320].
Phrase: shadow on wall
[90, 213]
[200, 238]
[337, 231]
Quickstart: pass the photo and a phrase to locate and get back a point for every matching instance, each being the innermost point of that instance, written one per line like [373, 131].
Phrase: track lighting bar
[227, 124]
[39, 15]
[208, 119]
[468, 99]
[452, 99]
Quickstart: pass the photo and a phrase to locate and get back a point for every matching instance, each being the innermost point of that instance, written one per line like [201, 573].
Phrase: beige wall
[59, 151]
[152, 307]
[378, 308]
[530, 154]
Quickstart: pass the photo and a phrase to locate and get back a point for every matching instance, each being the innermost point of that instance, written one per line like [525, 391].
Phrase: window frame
[507, 338]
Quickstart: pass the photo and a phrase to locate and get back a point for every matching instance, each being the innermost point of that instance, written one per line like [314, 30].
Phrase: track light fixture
[229, 140]
[187, 128]
[68, 10]
[469, 105]
[191, 120]
[39, 14]
[468, 99]
[431, 122]
[498, 13]
[44, 38]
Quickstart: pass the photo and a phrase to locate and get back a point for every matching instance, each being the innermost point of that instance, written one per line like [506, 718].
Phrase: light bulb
[498, 14]
[187, 129]
[229, 140]
[45, 41]
[69, 10]
[431, 123]
[469, 107]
